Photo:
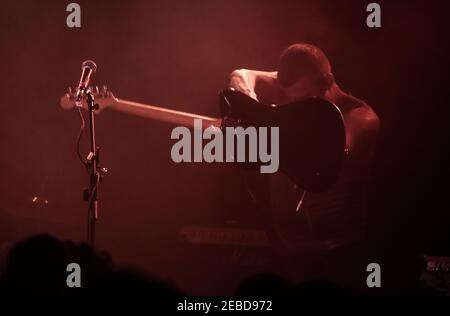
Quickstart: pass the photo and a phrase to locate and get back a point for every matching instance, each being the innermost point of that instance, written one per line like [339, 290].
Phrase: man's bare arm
[244, 80]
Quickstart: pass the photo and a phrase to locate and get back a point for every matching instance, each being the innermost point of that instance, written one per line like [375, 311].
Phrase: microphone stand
[91, 194]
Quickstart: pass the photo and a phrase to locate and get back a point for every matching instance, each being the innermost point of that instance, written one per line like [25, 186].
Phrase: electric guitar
[311, 130]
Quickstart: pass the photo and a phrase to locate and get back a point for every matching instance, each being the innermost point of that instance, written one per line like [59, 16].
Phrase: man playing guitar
[313, 138]
[337, 216]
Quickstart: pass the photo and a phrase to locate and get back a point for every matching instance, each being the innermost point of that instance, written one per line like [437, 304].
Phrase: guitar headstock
[103, 97]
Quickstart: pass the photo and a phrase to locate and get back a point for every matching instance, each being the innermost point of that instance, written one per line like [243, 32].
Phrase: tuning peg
[97, 92]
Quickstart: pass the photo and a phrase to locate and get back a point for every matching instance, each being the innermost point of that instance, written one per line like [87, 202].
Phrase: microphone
[88, 68]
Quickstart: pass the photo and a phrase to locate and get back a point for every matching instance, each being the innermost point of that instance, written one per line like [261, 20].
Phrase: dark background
[178, 54]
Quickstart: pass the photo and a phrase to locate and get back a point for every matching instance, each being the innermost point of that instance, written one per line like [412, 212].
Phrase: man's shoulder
[366, 118]
[361, 113]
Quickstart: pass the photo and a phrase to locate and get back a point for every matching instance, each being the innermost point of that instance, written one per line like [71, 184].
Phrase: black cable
[80, 134]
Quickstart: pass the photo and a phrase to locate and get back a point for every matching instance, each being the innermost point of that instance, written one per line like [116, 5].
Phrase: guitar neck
[165, 115]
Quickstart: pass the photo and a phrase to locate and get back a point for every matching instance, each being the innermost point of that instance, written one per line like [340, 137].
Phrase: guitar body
[312, 135]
